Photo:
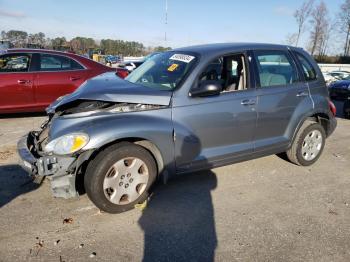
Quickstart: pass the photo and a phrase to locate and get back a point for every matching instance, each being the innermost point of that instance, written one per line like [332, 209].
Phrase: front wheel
[119, 177]
[308, 144]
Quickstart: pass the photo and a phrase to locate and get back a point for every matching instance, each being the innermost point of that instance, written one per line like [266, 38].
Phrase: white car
[130, 66]
[329, 78]
[340, 74]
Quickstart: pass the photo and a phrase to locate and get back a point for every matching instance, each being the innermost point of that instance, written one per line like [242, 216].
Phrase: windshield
[163, 71]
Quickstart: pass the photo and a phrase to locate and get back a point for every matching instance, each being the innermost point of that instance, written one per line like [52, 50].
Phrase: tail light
[122, 72]
[332, 107]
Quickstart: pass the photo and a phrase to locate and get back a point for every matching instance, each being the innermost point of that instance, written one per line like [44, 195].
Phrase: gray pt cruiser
[181, 111]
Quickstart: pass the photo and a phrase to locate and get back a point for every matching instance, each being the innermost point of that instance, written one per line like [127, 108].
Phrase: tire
[306, 149]
[115, 179]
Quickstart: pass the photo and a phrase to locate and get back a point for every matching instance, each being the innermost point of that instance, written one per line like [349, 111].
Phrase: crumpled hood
[110, 88]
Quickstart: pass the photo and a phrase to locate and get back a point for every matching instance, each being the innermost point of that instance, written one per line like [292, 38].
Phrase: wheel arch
[318, 117]
[84, 159]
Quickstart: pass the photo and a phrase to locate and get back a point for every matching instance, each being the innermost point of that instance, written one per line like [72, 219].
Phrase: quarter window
[308, 70]
[14, 63]
[57, 63]
[275, 68]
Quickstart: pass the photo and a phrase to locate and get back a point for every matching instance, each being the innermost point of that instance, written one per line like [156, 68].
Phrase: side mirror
[207, 88]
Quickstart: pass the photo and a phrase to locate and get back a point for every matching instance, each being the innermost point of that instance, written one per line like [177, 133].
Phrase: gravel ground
[261, 210]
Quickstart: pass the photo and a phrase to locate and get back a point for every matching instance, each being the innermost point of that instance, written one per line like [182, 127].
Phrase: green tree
[82, 45]
[59, 43]
[37, 39]
[17, 38]
[161, 49]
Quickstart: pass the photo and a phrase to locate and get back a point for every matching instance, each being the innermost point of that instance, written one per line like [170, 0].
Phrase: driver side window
[229, 71]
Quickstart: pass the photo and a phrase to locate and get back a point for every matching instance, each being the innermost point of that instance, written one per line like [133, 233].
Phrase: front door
[215, 130]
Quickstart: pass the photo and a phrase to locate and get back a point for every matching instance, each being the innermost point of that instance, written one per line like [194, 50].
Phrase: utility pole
[166, 19]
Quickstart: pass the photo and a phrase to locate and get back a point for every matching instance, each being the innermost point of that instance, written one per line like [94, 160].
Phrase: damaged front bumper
[61, 170]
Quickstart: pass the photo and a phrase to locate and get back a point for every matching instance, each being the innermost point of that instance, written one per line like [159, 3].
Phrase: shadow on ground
[179, 222]
[22, 115]
[14, 181]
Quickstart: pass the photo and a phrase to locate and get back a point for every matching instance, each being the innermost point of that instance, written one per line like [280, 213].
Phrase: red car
[31, 79]
[122, 72]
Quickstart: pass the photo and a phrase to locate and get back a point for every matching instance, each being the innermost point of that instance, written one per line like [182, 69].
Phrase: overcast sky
[189, 21]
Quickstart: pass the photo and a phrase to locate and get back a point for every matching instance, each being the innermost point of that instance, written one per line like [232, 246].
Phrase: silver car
[181, 111]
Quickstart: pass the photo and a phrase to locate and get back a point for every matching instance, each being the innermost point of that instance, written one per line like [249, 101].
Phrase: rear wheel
[119, 177]
[308, 144]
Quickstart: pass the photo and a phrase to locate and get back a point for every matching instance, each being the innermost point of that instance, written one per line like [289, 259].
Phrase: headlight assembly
[67, 144]
[126, 107]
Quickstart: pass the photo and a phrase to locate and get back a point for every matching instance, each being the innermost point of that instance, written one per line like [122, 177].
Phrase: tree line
[313, 17]
[79, 45]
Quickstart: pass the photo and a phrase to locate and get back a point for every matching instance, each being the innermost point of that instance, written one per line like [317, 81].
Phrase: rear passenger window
[275, 68]
[14, 63]
[308, 70]
[58, 63]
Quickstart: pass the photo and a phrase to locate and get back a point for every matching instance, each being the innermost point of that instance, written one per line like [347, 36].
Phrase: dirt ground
[261, 210]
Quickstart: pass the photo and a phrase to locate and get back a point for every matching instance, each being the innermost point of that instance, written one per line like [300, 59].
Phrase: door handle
[248, 102]
[74, 78]
[23, 81]
[302, 93]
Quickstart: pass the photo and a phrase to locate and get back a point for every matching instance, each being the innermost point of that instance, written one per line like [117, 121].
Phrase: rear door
[57, 75]
[16, 83]
[281, 98]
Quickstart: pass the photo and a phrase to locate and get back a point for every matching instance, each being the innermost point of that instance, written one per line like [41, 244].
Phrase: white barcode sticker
[182, 58]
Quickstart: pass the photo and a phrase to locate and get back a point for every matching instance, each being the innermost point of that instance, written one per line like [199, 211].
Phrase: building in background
[5, 44]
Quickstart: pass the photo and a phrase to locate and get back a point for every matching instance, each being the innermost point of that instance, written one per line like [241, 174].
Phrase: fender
[154, 126]
[313, 113]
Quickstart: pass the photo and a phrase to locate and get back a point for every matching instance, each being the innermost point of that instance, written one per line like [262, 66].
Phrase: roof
[219, 47]
[36, 50]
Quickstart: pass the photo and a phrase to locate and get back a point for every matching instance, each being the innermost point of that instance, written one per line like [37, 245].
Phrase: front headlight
[348, 87]
[126, 107]
[67, 144]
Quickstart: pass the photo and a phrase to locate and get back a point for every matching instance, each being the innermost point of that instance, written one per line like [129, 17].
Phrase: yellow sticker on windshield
[172, 67]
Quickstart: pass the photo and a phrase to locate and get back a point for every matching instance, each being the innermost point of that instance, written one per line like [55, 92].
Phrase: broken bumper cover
[27, 160]
[56, 168]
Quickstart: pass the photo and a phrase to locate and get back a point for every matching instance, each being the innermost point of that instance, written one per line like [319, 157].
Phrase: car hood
[110, 88]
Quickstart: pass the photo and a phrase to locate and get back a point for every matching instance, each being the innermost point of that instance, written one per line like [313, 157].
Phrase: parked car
[131, 66]
[181, 111]
[329, 78]
[340, 74]
[111, 59]
[340, 89]
[31, 79]
[122, 72]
